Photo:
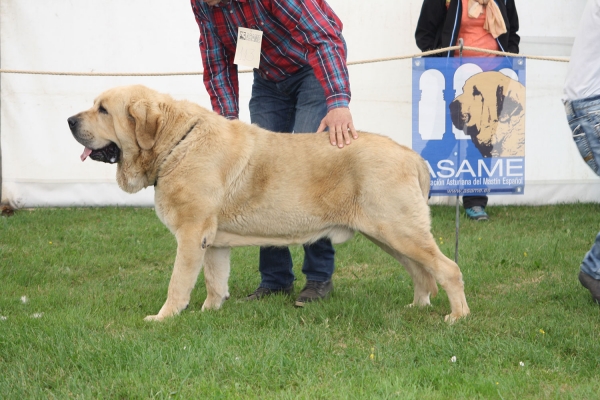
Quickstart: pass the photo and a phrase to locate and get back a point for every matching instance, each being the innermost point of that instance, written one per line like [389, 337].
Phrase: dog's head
[122, 127]
[488, 110]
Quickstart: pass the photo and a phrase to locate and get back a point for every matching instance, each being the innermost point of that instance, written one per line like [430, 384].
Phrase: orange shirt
[473, 35]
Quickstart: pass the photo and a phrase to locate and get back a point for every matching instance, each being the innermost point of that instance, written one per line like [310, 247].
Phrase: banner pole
[457, 217]
[457, 229]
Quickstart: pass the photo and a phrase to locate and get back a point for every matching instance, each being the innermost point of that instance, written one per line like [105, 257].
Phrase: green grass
[92, 275]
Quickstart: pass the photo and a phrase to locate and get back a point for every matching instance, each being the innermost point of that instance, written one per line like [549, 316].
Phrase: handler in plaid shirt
[301, 85]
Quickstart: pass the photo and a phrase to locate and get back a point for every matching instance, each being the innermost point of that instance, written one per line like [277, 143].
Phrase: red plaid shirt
[296, 33]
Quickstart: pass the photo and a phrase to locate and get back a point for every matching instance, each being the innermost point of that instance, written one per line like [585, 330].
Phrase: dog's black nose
[72, 122]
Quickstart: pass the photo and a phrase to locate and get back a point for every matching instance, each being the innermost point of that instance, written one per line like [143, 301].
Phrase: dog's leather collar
[178, 143]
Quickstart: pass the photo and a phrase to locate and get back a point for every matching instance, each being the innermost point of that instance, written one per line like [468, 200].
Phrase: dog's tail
[424, 178]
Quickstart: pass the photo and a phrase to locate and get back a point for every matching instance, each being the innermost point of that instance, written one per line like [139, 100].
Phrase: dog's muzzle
[109, 154]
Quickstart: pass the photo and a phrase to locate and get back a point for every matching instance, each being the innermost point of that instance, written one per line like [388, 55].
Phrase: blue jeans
[295, 105]
[584, 120]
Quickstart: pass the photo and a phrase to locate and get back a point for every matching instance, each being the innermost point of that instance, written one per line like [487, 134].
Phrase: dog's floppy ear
[148, 118]
[499, 99]
[510, 105]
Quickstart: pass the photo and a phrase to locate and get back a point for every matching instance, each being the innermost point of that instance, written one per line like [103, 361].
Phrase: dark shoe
[591, 284]
[263, 292]
[314, 291]
[477, 213]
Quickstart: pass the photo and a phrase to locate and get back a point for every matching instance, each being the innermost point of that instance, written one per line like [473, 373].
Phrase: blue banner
[469, 123]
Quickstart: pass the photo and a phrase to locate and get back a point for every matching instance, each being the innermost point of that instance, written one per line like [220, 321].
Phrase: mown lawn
[75, 285]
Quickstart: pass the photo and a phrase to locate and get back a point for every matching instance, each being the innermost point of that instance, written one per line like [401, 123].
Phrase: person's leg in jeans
[583, 117]
[272, 110]
[294, 105]
[311, 108]
[589, 274]
[591, 262]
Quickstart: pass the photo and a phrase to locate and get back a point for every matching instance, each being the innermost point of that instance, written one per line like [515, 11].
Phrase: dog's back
[279, 177]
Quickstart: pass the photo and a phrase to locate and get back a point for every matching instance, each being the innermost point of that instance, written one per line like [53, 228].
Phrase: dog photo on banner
[469, 124]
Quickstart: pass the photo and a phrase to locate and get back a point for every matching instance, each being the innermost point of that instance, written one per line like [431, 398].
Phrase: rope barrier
[376, 60]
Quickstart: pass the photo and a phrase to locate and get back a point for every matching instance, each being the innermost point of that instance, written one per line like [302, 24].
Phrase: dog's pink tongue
[85, 154]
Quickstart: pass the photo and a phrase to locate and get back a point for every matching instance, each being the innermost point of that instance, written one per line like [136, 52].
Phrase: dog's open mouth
[109, 154]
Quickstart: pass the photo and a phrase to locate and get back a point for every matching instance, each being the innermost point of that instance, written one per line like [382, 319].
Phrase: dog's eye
[102, 110]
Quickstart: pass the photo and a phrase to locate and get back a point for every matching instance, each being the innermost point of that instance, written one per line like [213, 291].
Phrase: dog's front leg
[192, 243]
[216, 275]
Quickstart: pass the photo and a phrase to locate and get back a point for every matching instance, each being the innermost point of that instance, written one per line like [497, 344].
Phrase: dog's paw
[451, 318]
[210, 306]
[214, 303]
[418, 304]
[169, 309]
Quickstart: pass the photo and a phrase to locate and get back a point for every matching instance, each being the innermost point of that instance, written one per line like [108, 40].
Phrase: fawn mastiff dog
[221, 183]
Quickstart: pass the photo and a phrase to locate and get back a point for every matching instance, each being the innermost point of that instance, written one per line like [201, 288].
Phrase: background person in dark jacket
[485, 24]
[440, 21]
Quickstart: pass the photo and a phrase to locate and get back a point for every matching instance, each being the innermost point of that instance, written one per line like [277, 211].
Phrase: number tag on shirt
[247, 51]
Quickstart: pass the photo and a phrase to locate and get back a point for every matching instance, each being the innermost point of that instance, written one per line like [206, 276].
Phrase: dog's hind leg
[445, 272]
[420, 247]
[216, 275]
[193, 239]
[424, 283]
[449, 276]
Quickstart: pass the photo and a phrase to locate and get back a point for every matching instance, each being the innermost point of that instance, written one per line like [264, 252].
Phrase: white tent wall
[40, 159]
